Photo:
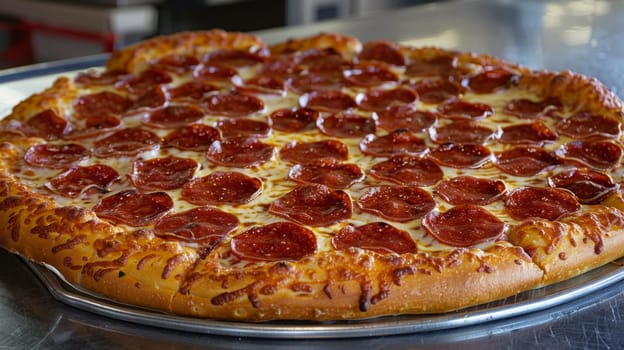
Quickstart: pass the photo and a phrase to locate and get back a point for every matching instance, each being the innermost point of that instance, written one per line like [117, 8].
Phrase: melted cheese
[274, 173]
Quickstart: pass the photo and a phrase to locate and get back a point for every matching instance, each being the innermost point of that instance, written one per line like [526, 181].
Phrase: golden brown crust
[346, 45]
[135, 58]
[356, 284]
[574, 244]
[132, 267]
[57, 98]
[576, 91]
[138, 268]
[462, 60]
[36, 228]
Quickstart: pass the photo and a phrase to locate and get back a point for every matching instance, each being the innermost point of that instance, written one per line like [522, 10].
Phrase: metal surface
[119, 3]
[42, 69]
[583, 36]
[579, 35]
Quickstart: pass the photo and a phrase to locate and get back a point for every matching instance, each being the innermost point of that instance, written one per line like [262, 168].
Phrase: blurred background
[34, 31]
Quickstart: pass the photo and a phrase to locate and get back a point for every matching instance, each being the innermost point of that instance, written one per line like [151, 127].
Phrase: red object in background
[19, 48]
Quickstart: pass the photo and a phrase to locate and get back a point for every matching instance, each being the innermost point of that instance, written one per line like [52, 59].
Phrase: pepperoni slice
[439, 66]
[178, 64]
[308, 58]
[540, 202]
[173, 116]
[239, 152]
[284, 66]
[458, 109]
[396, 203]
[274, 242]
[206, 226]
[162, 173]
[369, 74]
[601, 155]
[313, 205]
[383, 51]
[463, 226]
[378, 100]
[589, 187]
[346, 125]
[436, 90]
[243, 127]
[77, 180]
[379, 237]
[146, 80]
[133, 208]
[525, 108]
[327, 101]
[408, 170]
[233, 105]
[152, 98]
[261, 84]
[230, 187]
[457, 155]
[322, 61]
[308, 152]
[100, 105]
[214, 72]
[93, 126]
[193, 137]
[470, 190]
[490, 80]
[535, 133]
[55, 156]
[405, 117]
[525, 161]
[94, 77]
[293, 120]
[47, 125]
[236, 58]
[585, 125]
[461, 131]
[126, 142]
[330, 173]
[315, 82]
[400, 141]
[194, 90]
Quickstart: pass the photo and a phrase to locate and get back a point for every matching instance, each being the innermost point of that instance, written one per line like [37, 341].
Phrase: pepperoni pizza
[211, 175]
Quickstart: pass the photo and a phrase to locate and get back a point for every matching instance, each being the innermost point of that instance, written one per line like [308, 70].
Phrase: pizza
[211, 175]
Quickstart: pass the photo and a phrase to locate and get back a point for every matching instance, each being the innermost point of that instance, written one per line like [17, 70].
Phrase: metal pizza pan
[524, 303]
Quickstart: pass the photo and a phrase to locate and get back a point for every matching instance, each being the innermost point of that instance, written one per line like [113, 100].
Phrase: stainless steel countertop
[582, 36]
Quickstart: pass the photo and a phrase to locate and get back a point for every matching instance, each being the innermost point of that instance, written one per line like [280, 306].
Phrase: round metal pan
[521, 304]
